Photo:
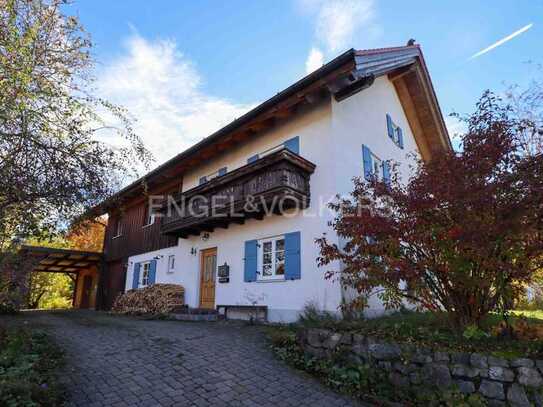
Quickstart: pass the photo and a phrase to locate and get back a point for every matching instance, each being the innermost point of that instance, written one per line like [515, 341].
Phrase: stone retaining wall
[516, 382]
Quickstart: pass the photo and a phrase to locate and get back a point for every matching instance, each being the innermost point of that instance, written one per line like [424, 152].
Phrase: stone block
[502, 374]
[437, 375]
[360, 349]
[332, 341]
[382, 351]
[421, 357]
[315, 337]
[528, 376]
[522, 362]
[492, 390]
[460, 358]
[441, 357]
[465, 371]
[359, 339]
[346, 339]
[500, 362]
[516, 396]
[465, 386]
[478, 360]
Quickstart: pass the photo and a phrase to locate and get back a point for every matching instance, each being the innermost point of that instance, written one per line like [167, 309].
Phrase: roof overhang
[61, 260]
[345, 75]
[406, 68]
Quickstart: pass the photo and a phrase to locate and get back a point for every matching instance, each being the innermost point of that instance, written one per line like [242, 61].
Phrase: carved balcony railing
[273, 184]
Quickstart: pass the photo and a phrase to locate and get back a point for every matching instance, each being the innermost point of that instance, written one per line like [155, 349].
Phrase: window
[118, 230]
[271, 259]
[394, 131]
[374, 167]
[292, 144]
[219, 173]
[377, 166]
[171, 263]
[145, 272]
[149, 217]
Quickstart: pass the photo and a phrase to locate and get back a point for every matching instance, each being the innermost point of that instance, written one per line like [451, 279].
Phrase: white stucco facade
[331, 136]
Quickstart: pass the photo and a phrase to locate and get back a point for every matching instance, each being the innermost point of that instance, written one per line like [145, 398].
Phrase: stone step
[194, 317]
[185, 313]
[194, 311]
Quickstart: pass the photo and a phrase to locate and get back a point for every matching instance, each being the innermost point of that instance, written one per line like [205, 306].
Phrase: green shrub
[28, 365]
[313, 316]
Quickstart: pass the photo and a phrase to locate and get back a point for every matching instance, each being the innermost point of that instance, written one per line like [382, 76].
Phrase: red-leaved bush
[462, 235]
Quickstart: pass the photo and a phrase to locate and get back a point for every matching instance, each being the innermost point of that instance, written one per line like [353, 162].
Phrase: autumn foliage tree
[461, 235]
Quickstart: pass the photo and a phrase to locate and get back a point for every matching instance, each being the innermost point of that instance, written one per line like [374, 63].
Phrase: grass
[29, 362]
[434, 331]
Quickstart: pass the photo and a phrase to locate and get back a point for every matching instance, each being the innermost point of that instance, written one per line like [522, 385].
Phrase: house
[235, 217]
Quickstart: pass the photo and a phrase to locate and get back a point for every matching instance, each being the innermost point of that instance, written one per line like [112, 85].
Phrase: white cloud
[161, 88]
[501, 42]
[338, 21]
[455, 128]
[314, 61]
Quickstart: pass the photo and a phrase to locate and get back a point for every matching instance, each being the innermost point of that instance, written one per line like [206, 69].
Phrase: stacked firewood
[155, 299]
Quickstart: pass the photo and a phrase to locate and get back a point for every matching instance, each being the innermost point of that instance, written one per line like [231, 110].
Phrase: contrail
[502, 41]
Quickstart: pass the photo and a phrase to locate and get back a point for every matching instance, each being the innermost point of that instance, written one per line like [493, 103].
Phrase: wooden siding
[135, 238]
[112, 283]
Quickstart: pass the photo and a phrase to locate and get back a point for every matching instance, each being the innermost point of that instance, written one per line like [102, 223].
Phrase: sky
[185, 68]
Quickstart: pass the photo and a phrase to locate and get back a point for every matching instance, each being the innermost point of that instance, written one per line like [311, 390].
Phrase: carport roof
[62, 260]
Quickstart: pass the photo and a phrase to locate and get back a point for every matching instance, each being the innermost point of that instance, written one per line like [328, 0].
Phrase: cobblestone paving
[120, 361]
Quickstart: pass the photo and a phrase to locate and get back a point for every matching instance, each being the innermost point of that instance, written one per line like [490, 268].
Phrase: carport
[85, 268]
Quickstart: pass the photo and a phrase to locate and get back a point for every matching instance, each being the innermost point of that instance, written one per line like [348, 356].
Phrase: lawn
[29, 362]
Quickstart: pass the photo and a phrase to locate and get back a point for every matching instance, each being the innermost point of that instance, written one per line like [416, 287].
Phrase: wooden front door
[208, 270]
[86, 292]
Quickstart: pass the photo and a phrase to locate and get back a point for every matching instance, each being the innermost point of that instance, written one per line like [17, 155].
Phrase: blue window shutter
[390, 127]
[202, 180]
[293, 144]
[293, 265]
[136, 276]
[400, 137]
[222, 171]
[250, 261]
[366, 158]
[252, 159]
[386, 172]
[152, 272]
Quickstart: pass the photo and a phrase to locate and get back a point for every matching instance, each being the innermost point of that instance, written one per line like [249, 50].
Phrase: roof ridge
[371, 51]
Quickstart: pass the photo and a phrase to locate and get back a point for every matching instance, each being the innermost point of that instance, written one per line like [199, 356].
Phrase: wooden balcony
[270, 185]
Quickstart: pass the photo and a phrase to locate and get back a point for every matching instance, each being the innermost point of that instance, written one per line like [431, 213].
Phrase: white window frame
[274, 263]
[377, 164]
[150, 217]
[145, 270]
[118, 228]
[171, 263]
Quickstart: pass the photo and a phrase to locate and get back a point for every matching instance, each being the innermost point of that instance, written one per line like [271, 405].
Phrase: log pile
[155, 299]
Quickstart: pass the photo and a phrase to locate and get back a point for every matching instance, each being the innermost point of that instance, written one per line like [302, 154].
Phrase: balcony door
[208, 270]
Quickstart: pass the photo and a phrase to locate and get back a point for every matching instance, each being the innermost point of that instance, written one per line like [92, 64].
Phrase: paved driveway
[120, 361]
